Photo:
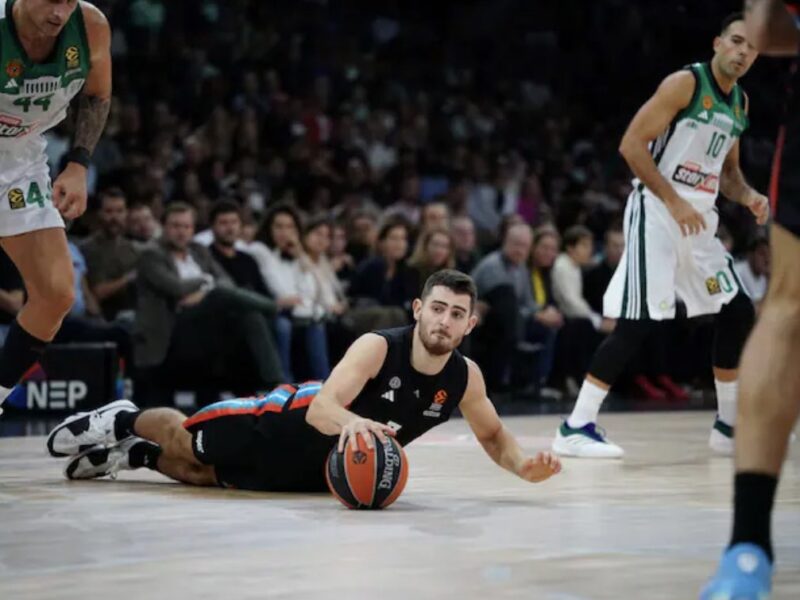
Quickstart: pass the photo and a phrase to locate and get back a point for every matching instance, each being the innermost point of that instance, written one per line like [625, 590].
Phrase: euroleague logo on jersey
[692, 175]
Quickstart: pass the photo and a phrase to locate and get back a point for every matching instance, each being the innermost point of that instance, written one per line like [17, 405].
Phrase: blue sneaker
[744, 573]
[584, 442]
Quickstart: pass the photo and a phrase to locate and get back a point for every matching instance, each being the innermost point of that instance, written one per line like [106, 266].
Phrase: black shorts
[262, 443]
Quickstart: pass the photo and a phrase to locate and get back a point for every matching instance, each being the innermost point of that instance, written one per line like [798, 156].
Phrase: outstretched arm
[497, 441]
[328, 412]
[69, 190]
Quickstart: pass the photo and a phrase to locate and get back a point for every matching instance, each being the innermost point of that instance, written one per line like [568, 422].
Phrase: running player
[398, 382]
[50, 50]
[683, 147]
[770, 396]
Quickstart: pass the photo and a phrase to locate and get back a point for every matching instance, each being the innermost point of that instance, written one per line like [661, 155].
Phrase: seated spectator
[434, 215]
[597, 277]
[84, 322]
[12, 294]
[279, 253]
[407, 207]
[383, 286]
[111, 259]
[385, 279]
[754, 270]
[504, 288]
[142, 226]
[241, 267]
[465, 243]
[362, 235]
[316, 243]
[568, 278]
[341, 262]
[433, 252]
[192, 322]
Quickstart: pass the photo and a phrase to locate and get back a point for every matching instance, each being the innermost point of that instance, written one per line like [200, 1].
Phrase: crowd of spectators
[278, 177]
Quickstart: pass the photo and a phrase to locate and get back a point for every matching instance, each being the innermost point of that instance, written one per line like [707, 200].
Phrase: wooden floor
[650, 527]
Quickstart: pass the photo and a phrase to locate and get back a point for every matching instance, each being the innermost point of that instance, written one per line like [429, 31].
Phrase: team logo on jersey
[692, 175]
[712, 285]
[394, 382]
[16, 199]
[14, 67]
[73, 57]
[708, 103]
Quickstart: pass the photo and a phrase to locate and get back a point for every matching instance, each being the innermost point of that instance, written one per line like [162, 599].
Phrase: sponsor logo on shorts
[692, 175]
[712, 285]
[73, 57]
[198, 442]
[16, 199]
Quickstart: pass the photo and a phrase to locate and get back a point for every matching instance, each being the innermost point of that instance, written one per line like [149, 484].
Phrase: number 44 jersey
[34, 96]
[691, 151]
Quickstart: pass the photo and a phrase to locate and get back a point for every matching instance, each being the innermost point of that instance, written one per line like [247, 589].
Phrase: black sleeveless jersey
[293, 452]
[408, 401]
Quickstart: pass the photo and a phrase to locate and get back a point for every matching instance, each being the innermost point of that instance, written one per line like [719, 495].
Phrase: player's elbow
[628, 146]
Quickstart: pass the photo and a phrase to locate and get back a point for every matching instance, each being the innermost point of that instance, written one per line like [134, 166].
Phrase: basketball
[367, 479]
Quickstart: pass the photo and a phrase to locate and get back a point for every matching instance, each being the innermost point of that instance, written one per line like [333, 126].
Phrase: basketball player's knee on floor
[197, 474]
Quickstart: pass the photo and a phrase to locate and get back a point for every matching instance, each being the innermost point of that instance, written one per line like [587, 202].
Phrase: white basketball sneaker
[721, 439]
[100, 461]
[86, 429]
[584, 442]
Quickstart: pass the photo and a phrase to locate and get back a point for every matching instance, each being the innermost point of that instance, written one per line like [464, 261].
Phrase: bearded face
[443, 319]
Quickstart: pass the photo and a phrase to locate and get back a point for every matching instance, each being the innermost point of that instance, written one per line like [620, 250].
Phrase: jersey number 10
[717, 141]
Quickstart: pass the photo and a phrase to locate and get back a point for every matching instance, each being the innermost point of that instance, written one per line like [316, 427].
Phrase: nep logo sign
[37, 393]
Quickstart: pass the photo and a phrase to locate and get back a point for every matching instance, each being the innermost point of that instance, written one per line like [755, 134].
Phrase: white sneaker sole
[720, 444]
[588, 449]
[51, 438]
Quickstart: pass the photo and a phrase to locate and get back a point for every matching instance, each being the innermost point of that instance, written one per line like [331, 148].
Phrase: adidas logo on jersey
[703, 115]
[388, 395]
[12, 84]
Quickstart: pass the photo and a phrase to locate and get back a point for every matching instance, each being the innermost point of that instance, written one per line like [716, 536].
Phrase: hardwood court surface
[648, 527]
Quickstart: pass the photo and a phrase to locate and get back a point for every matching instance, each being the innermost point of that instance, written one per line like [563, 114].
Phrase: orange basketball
[367, 478]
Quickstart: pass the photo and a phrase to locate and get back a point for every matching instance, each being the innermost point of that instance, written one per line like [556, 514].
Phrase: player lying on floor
[399, 382]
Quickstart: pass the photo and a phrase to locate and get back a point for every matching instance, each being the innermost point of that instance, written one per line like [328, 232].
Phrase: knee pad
[617, 349]
[731, 328]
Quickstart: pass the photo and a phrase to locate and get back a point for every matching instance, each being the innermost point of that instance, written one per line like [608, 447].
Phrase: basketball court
[650, 526]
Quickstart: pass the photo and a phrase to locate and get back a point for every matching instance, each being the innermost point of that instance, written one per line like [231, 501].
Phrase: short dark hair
[111, 192]
[456, 281]
[178, 207]
[223, 207]
[575, 234]
[315, 222]
[731, 18]
[393, 222]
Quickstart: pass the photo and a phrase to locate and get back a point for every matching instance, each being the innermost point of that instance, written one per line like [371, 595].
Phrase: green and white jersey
[34, 96]
[691, 151]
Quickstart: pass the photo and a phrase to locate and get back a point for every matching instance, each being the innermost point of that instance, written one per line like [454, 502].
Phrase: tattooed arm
[69, 189]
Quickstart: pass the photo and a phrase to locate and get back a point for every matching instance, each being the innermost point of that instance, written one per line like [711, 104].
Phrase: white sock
[727, 391]
[587, 406]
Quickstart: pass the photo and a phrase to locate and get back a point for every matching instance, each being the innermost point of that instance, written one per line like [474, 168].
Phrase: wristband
[79, 155]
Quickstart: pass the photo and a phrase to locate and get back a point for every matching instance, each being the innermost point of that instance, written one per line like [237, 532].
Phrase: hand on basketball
[69, 191]
[363, 427]
[758, 205]
[689, 220]
[540, 467]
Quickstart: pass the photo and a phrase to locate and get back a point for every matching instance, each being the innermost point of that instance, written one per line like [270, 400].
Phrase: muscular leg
[769, 400]
[164, 426]
[43, 260]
